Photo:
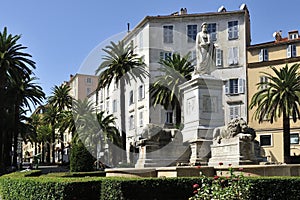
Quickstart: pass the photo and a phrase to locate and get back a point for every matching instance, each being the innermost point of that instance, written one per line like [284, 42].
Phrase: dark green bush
[147, 188]
[46, 188]
[265, 188]
[81, 159]
[21, 186]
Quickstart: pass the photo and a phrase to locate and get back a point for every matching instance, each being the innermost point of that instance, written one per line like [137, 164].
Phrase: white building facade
[157, 37]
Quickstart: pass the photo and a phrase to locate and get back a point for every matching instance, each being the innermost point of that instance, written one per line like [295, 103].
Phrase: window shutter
[227, 87]
[294, 53]
[288, 51]
[261, 55]
[235, 56]
[241, 83]
[219, 57]
[266, 55]
[230, 56]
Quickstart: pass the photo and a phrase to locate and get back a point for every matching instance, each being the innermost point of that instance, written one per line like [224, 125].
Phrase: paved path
[52, 168]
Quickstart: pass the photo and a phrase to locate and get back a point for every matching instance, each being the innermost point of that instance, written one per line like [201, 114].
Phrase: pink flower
[195, 191]
[220, 163]
[196, 186]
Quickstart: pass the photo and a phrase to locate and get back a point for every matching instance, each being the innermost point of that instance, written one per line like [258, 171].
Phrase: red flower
[216, 177]
[196, 186]
[195, 191]
[220, 163]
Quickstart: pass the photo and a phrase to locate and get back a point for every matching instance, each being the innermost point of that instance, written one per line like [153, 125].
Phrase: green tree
[61, 101]
[165, 90]
[22, 93]
[119, 66]
[280, 98]
[15, 65]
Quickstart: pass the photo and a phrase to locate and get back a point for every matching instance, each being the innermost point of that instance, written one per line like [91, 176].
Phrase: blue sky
[60, 34]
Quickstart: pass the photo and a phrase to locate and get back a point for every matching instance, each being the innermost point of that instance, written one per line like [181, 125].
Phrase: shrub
[233, 187]
[81, 159]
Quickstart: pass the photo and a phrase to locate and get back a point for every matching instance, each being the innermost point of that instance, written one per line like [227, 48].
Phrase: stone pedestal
[234, 151]
[202, 111]
[156, 154]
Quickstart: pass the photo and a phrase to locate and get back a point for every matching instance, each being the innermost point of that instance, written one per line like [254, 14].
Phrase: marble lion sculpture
[235, 128]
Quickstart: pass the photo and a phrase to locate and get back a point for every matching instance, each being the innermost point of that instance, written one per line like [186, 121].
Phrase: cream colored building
[276, 53]
[82, 85]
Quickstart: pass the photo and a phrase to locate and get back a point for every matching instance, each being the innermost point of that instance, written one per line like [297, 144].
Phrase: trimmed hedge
[147, 188]
[23, 186]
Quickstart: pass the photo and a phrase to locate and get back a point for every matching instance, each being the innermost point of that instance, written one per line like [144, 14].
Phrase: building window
[233, 56]
[294, 138]
[263, 55]
[291, 51]
[88, 91]
[101, 95]
[265, 140]
[191, 33]
[141, 119]
[263, 82]
[233, 30]
[169, 117]
[131, 99]
[89, 80]
[234, 111]
[115, 85]
[293, 36]
[107, 106]
[141, 92]
[164, 55]
[168, 34]
[212, 30]
[114, 105]
[193, 57]
[107, 92]
[235, 86]
[131, 122]
[219, 57]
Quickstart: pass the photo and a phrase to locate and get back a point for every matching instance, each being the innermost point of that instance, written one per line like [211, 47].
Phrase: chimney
[71, 76]
[183, 11]
[128, 27]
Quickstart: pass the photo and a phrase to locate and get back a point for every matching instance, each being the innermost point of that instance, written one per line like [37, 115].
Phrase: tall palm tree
[61, 100]
[281, 97]
[14, 65]
[50, 117]
[23, 93]
[120, 65]
[165, 90]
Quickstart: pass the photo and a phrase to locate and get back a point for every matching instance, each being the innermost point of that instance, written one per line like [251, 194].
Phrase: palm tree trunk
[53, 142]
[123, 119]
[286, 139]
[62, 147]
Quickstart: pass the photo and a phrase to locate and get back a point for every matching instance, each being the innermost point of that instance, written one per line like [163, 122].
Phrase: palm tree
[14, 65]
[280, 97]
[50, 117]
[120, 65]
[22, 93]
[165, 90]
[61, 100]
